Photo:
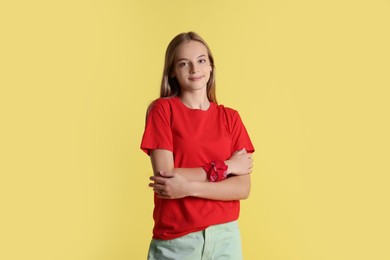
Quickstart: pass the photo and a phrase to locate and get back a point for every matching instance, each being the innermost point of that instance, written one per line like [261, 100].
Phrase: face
[192, 66]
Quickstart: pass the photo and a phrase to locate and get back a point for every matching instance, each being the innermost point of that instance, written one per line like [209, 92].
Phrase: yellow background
[309, 78]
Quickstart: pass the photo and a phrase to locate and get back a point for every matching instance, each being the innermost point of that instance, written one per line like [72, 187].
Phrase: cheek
[209, 72]
[179, 76]
[180, 79]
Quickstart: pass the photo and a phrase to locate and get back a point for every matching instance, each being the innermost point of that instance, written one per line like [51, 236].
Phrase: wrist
[216, 171]
[230, 168]
[192, 191]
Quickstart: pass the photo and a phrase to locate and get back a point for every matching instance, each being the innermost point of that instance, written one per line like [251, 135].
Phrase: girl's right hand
[240, 163]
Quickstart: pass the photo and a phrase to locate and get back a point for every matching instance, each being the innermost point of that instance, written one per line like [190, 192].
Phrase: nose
[194, 68]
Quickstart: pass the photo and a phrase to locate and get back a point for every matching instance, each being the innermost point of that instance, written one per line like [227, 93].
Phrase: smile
[195, 78]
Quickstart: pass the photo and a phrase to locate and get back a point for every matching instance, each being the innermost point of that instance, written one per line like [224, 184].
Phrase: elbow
[246, 188]
[245, 193]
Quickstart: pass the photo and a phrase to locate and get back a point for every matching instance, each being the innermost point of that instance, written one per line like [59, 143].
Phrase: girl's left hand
[170, 185]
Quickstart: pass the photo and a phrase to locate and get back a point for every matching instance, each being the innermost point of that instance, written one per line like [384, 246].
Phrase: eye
[202, 61]
[183, 64]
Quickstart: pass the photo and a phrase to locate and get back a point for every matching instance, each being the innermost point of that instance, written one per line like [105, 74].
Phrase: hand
[169, 185]
[240, 163]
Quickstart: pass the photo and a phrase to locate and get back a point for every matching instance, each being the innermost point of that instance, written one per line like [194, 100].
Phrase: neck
[195, 101]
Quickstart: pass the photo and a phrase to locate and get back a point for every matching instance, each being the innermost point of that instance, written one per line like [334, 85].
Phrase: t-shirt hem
[174, 236]
[148, 149]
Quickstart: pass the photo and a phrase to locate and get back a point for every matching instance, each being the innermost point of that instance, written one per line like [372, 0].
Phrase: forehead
[190, 50]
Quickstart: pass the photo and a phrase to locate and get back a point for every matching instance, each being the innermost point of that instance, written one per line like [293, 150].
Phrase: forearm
[162, 161]
[233, 188]
[199, 174]
[173, 183]
[191, 174]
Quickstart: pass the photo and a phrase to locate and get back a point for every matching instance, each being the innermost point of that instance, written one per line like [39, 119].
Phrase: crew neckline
[194, 109]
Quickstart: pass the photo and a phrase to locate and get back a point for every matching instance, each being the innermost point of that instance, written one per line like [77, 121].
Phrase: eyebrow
[203, 55]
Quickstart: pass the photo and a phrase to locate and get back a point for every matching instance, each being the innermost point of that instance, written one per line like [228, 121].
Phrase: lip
[195, 78]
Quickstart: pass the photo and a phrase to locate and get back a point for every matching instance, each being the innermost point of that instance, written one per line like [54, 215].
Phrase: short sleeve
[240, 136]
[158, 132]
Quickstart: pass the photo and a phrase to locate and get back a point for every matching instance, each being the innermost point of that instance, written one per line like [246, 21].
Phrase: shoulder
[229, 116]
[228, 111]
[161, 104]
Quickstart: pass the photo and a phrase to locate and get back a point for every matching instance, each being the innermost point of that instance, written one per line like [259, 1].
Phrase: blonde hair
[169, 85]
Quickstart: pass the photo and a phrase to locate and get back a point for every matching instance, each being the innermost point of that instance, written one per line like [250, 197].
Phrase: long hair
[169, 85]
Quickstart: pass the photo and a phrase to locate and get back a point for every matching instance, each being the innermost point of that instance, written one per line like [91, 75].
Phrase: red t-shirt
[196, 137]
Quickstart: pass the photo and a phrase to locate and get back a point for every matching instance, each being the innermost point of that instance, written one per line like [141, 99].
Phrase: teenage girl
[201, 156]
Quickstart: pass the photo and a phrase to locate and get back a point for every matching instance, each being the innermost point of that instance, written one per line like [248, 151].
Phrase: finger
[157, 187]
[156, 179]
[166, 174]
[159, 180]
[162, 196]
[160, 192]
[242, 151]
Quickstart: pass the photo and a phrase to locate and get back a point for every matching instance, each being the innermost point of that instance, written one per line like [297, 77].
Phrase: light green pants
[219, 242]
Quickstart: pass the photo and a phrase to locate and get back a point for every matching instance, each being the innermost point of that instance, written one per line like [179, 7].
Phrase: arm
[162, 161]
[173, 183]
[233, 188]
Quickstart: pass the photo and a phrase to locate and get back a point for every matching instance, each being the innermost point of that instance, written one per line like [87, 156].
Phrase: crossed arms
[174, 183]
